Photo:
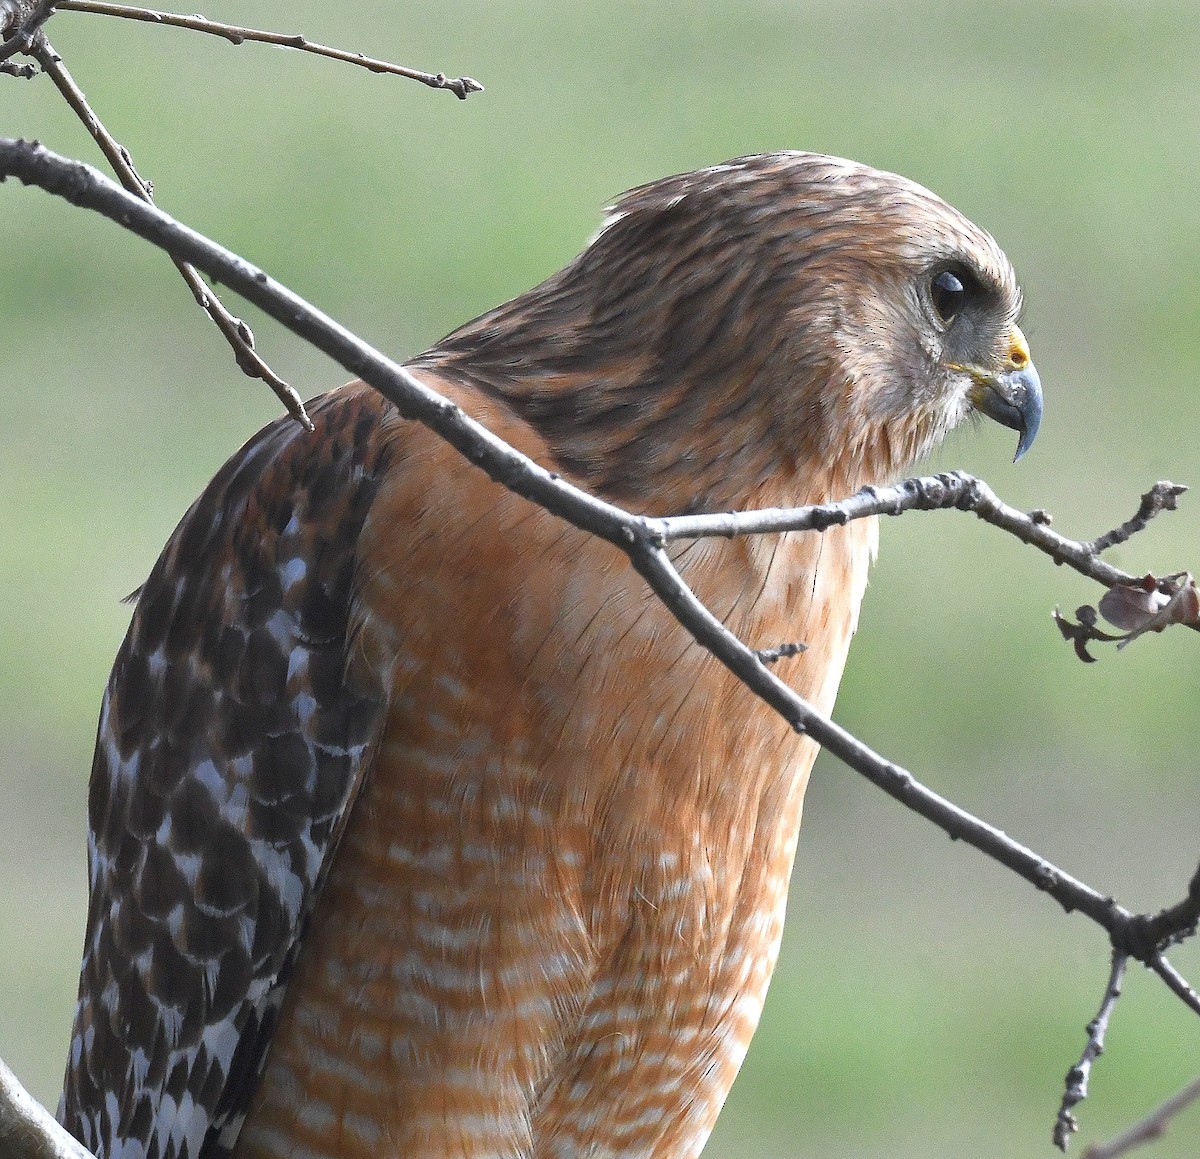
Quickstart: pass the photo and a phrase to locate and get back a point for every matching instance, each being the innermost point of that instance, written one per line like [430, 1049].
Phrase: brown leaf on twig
[1130, 608]
[1145, 605]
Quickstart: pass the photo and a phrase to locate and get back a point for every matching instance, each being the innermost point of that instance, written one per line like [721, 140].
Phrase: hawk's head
[785, 317]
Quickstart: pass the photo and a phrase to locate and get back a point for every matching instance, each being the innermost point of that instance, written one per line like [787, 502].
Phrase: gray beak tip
[1025, 390]
[1014, 400]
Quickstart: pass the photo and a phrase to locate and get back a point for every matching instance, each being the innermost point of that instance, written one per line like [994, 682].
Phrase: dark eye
[949, 291]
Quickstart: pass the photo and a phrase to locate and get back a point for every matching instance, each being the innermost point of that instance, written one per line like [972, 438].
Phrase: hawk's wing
[232, 742]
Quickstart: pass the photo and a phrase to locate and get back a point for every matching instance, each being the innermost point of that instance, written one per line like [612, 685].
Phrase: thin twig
[461, 87]
[1152, 1127]
[636, 536]
[239, 335]
[1161, 497]
[1176, 982]
[1077, 1077]
[951, 490]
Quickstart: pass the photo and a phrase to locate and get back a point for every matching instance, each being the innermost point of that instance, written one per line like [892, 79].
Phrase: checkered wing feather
[233, 738]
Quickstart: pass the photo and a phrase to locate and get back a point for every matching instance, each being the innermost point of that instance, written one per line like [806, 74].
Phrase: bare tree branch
[1161, 928]
[20, 21]
[461, 87]
[953, 490]
[27, 1129]
[1152, 1127]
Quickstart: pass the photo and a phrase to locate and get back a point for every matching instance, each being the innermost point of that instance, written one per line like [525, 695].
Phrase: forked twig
[27, 16]
[20, 21]
[239, 335]
[461, 87]
[1160, 931]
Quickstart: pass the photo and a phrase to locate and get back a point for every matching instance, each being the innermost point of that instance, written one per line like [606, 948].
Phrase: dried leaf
[1187, 601]
[1131, 609]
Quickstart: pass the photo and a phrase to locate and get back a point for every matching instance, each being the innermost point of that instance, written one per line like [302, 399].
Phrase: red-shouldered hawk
[418, 826]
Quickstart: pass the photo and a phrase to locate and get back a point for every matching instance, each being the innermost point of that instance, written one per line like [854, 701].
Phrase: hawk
[419, 827]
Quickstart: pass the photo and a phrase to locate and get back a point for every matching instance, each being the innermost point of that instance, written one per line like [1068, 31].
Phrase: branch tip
[1076, 1084]
[461, 87]
[779, 652]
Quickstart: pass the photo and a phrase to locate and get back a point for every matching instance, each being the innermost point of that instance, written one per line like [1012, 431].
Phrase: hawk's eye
[949, 294]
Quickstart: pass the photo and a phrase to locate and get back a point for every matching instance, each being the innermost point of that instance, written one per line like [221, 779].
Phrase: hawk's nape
[419, 826]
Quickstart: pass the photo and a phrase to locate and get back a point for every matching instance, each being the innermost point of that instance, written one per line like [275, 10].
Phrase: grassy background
[927, 1003]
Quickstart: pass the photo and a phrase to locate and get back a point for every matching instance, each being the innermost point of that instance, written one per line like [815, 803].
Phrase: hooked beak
[1012, 396]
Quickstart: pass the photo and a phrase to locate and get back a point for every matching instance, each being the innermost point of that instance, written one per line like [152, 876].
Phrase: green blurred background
[927, 1003]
